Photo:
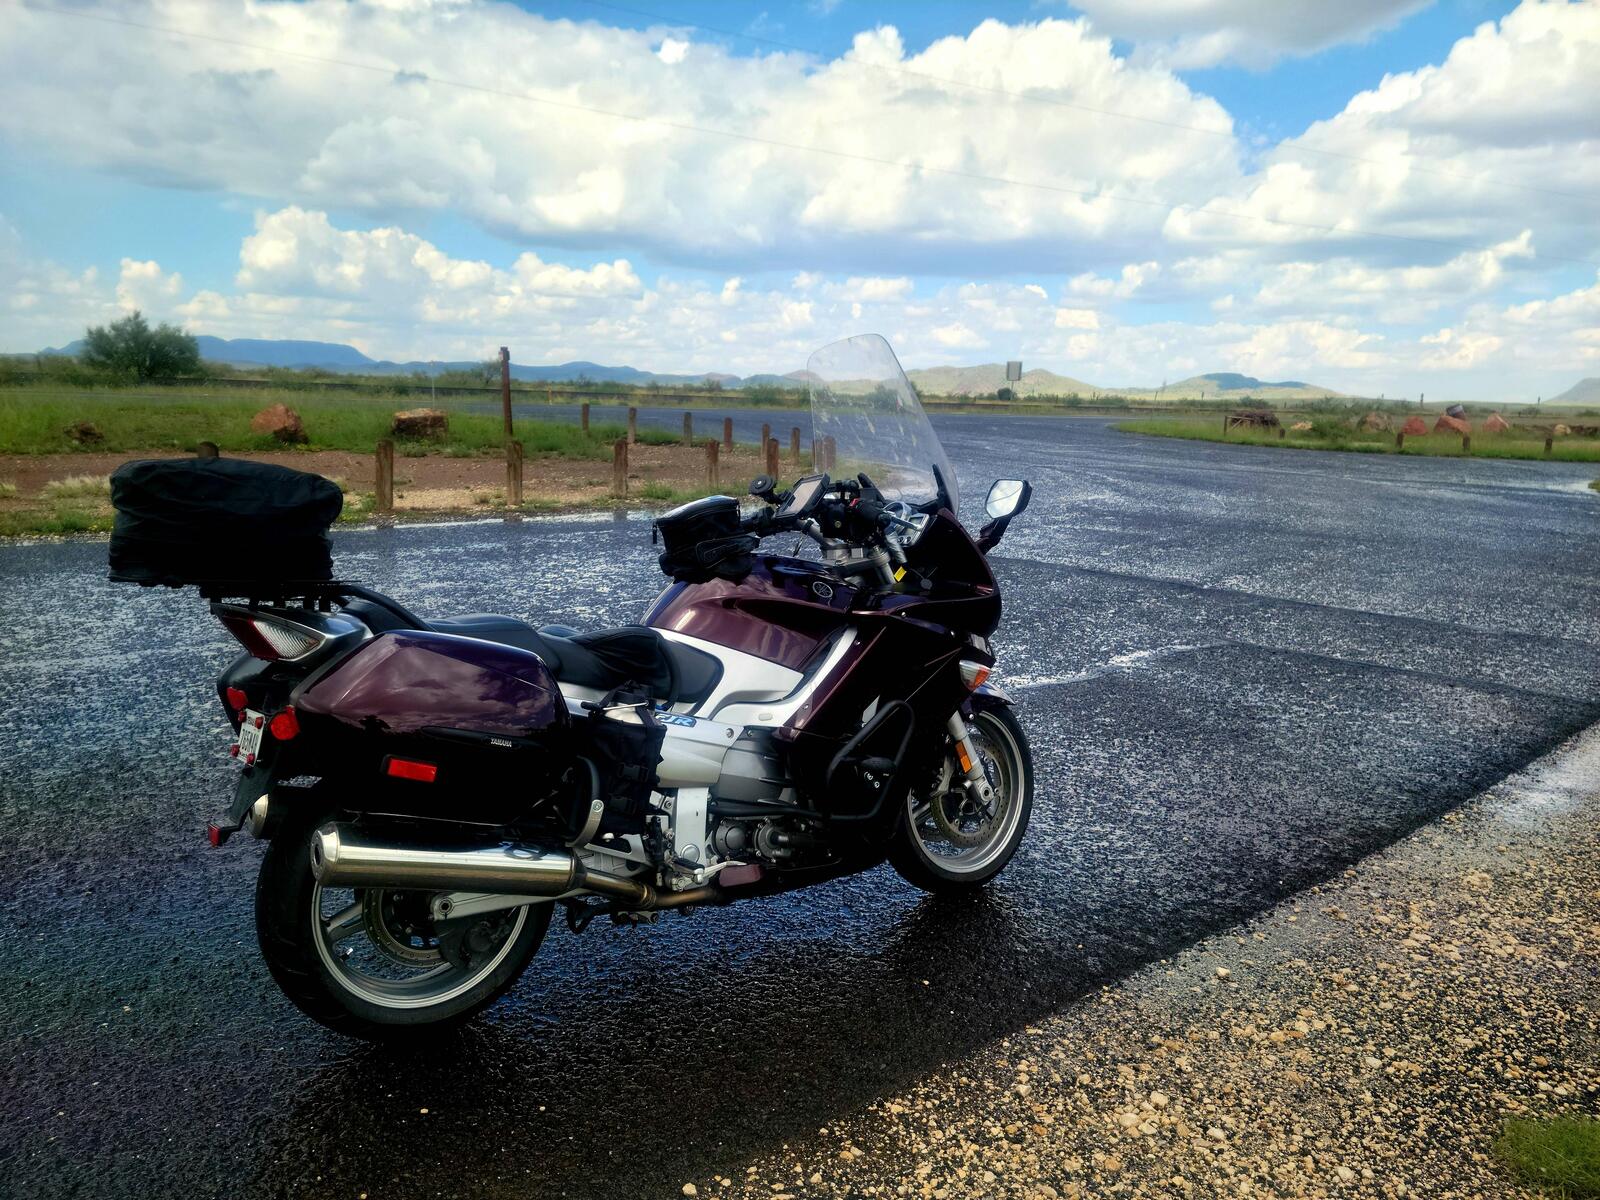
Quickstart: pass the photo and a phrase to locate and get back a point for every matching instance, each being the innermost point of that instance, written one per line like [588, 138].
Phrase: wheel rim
[980, 838]
[362, 939]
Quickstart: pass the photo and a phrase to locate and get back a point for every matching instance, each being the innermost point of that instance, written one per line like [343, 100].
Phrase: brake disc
[392, 932]
[948, 794]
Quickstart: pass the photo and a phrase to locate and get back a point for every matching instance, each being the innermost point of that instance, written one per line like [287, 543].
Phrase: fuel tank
[783, 611]
[468, 722]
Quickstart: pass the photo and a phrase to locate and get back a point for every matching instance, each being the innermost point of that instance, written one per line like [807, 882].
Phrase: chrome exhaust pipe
[344, 856]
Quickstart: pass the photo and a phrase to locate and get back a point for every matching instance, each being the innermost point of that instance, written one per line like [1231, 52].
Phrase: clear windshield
[862, 401]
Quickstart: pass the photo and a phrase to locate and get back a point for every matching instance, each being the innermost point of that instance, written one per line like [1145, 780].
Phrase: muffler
[345, 856]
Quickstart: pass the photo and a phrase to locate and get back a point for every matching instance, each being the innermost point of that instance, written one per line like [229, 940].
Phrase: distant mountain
[1585, 391]
[1223, 382]
[984, 379]
[988, 378]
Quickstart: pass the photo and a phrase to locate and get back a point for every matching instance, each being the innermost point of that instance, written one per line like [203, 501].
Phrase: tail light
[285, 725]
[973, 674]
[270, 638]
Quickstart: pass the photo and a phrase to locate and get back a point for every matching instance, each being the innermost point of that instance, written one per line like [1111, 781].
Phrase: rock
[1561, 431]
[1223, 972]
[689, 1189]
[1375, 422]
[85, 433]
[1448, 424]
[1496, 424]
[421, 423]
[1414, 427]
[1345, 1174]
[1300, 427]
[1217, 1134]
[1159, 1099]
[281, 421]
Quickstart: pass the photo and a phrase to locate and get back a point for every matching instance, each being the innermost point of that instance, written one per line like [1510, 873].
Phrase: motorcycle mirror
[763, 487]
[1007, 498]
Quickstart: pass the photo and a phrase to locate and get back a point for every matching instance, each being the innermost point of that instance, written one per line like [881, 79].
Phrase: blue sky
[1119, 191]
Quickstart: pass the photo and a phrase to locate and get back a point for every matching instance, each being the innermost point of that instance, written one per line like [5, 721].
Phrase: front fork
[976, 779]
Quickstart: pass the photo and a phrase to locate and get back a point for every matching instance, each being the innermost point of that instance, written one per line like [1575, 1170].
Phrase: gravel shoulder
[1366, 1038]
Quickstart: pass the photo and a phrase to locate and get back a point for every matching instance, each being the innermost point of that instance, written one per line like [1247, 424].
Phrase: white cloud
[672, 50]
[526, 158]
[1204, 33]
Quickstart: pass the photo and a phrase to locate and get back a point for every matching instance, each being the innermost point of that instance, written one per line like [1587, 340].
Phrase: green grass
[1559, 1155]
[61, 519]
[1332, 434]
[1595, 484]
[177, 422]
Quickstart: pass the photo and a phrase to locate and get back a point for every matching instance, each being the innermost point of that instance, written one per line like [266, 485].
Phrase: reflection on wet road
[1240, 669]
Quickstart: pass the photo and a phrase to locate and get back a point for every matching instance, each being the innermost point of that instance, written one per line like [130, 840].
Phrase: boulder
[85, 433]
[1496, 424]
[1375, 422]
[1414, 427]
[421, 423]
[1448, 424]
[1560, 431]
[1300, 427]
[282, 422]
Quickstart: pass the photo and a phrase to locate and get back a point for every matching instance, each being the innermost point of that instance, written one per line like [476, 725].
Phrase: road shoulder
[1367, 1037]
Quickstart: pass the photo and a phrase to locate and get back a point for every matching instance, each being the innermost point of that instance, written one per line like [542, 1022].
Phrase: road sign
[1013, 372]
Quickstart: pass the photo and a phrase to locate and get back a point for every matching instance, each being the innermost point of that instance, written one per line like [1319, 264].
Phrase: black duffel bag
[221, 523]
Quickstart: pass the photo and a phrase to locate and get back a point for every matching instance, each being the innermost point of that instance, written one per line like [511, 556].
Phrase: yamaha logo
[823, 591]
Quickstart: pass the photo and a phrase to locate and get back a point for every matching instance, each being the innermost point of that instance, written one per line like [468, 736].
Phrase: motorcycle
[432, 792]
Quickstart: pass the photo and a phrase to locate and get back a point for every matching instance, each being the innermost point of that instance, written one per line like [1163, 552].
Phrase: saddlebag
[702, 540]
[221, 523]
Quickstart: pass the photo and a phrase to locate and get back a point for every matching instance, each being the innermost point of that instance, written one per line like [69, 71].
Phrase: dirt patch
[433, 483]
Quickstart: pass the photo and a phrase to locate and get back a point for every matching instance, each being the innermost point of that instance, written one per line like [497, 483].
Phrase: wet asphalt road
[1240, 670]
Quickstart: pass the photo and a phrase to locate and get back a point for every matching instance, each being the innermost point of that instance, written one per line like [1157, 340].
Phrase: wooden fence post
[384, 486]
[1400, 440]
[633, 425]
[766, 436]
[505, 386]
[1549, 444]
[1282, 433]
[207, 450]
[1466, 443]
[1224, 424]
[619, 467]
[713, 474]
[727, 434]
[772, 457]
[794, 445]
[583, 415]
[514, 474]
[830, 447]
[688, 428]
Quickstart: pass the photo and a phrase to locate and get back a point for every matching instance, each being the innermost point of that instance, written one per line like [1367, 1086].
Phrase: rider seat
[602, 660]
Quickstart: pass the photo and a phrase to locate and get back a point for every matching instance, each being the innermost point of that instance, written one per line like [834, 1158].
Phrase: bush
[131, 349]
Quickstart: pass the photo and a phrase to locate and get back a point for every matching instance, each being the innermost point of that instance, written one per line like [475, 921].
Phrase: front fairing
[867, 418]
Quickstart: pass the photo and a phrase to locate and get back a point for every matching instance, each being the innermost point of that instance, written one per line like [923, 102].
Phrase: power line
[1078, 106]
[777, 143]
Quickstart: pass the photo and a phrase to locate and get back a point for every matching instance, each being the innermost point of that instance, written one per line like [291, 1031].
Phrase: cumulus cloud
[1204, 33]
[578, 130]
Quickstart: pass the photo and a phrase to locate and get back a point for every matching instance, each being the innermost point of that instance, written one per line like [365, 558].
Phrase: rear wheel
[372, 962]
[950, 840]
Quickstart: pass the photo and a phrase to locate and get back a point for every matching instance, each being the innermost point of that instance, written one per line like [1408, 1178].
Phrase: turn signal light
[973, 674]
[236, 698]
[406, 768]
[285, 725]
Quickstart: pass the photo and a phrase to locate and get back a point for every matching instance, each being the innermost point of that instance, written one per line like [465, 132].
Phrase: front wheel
[949, 842]
[372, 962]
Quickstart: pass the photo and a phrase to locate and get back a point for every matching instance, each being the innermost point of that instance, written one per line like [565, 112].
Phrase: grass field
[36, 423]
[1560, 1156]
[1337, 435]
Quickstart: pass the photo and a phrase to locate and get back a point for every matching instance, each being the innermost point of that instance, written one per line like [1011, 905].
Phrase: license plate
[250, 736]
